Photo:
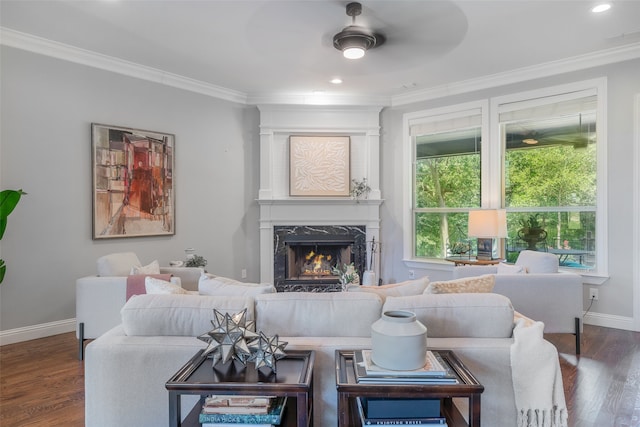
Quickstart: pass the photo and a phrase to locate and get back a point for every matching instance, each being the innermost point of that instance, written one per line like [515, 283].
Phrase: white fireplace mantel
[277, 207]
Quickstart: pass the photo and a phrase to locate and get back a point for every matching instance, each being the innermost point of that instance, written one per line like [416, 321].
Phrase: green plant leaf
[3, 269]
[8, 201]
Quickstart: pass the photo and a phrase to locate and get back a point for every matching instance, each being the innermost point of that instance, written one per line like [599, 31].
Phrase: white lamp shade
[488, 223]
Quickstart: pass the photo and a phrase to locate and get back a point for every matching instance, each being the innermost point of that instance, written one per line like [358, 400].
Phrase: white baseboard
[43, 330]
[610, 321]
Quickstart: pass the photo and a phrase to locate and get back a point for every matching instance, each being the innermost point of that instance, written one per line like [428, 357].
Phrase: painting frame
[485, 248]
[319, 166]
[133, 182]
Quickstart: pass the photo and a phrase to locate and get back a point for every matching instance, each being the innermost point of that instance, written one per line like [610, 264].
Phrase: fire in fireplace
[305, 255]
[312, 257]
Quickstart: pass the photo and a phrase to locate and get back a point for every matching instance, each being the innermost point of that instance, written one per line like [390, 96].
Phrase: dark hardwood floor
[41, 381]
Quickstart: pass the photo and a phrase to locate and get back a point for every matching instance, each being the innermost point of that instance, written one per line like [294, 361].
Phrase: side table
[473, 261]
[467, 387]
[294, 379]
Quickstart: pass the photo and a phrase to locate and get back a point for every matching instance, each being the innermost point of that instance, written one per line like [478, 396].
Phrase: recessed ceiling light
[336, 80]
[601, 8]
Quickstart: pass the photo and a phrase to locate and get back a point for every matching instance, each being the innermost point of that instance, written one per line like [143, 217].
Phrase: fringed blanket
[537, 379]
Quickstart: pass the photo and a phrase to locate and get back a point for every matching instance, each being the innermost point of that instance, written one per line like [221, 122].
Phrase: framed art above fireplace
[319, 166]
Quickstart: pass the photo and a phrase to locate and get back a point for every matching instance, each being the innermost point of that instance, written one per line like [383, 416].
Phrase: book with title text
[429, 420]
[242, 410]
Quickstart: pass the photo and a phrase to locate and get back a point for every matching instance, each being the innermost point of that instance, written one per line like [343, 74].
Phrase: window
[446, 180]
[550, 170]
[544, 163]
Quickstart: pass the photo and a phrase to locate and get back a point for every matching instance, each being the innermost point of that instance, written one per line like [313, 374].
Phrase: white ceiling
[281, 49]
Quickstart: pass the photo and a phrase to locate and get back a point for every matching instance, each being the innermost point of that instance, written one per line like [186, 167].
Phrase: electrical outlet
[243, 273]
[593, 294]
[412, 274]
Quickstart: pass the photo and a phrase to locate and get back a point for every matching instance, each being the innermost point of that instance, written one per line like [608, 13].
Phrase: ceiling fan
[354, 40]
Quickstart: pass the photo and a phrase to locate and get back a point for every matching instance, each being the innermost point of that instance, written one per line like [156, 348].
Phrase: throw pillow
[538, 262]
[136, 283]
[152, 268]
[220, 286]
[475, 284]
[510, 269]
[410, 287]
[157, 286]
[116, 264]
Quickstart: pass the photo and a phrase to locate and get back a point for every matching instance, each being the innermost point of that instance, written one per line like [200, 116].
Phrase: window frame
[411, 119]
[492, 159]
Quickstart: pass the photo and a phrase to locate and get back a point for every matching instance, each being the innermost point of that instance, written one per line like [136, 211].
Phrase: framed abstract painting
[319, 166]
[133, 182]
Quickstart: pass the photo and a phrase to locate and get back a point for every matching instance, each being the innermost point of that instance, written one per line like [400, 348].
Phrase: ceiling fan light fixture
[355, 40]
[530, 141]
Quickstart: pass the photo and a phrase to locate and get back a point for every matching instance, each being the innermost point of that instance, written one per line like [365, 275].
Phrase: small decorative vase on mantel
[398, 341]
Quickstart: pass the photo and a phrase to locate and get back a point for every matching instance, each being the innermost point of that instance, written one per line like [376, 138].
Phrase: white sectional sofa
[100, 297]
[127, 367]
[538, 290]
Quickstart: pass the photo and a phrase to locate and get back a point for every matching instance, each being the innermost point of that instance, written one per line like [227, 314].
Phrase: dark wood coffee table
[467, 387]
[294, 379]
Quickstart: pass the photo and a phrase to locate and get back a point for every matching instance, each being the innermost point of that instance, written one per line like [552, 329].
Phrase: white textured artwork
[319, 165]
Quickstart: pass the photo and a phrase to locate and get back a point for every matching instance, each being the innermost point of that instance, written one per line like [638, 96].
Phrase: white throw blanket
[537, 379]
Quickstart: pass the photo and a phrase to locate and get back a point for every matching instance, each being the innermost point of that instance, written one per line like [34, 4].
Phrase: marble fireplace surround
[278, 208]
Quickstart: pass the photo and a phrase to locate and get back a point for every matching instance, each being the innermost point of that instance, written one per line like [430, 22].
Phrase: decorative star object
[265, 351]
[230, 337]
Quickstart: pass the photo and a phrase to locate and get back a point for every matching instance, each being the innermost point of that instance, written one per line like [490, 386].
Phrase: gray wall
[48, 106]
[623, 83]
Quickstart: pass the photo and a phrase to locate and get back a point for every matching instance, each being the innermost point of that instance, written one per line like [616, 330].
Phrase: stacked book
[239, 411]
[388, 411]
[434, 371]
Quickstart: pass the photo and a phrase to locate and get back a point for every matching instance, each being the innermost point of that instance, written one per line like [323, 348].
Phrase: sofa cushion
[117, 264]
[472, 315]
[503, 268]
[538, 262]
[178, 315]
[410, 287]
[159, 286]
[217, 285]
[151, 268]
[332, 314]
[476, 284]
[136, 283]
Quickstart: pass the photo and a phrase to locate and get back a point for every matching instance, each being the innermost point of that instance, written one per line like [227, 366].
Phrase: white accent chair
[99, 298]
[541, 292]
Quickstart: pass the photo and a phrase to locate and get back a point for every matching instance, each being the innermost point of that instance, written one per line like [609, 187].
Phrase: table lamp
[487, 225]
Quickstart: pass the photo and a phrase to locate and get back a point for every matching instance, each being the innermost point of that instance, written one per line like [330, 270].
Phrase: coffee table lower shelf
[289, 419]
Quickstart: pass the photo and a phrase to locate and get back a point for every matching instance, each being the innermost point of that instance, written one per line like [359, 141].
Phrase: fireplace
[305, 256]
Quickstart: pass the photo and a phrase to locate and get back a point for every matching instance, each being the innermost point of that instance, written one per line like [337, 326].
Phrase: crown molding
[31, 43]
[321, 99]
[547, 69]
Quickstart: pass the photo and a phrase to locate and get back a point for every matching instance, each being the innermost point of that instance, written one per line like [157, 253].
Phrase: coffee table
[467, 387]
[294, 379]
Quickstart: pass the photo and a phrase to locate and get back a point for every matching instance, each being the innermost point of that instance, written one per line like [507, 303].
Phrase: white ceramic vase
[398, 341]
[369, 278]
